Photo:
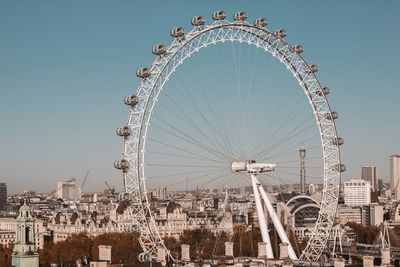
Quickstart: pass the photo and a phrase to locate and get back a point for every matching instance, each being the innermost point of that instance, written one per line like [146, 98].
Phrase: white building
[395, 176]
[357, 193]
[376, 214]
[68, 190]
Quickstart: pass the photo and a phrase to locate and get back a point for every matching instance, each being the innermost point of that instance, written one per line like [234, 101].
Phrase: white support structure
[261, 218]
[276, 221]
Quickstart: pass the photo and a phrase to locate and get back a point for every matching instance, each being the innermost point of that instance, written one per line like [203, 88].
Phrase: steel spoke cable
[208, 124]
[193, 178]
[179, 149]
[187, 119]
[290, 116]
[283, 103]
[222, 66]
[290, 135]
[287, 137]
[291, 150]
[181, 156]
[190, 100]
[214, 115]
[186, 137]
[182, 173]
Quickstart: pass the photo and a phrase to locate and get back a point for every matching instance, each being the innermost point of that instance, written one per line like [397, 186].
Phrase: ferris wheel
[189, 134]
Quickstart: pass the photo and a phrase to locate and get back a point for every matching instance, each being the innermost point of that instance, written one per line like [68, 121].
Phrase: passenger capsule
[280, 33]
[298, 49]
[143, 72]
[131, 100]
[159, 50]
[177, 32]
[122, 164]
[340, 167]
[261, 22]
[124, 131]
[323, 91]
[219, 15]
[197, 21]
[311, 69]
[332, 116]
[338, 141]
[240, 16]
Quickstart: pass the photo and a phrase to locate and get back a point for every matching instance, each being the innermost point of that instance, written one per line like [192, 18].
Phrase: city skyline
[66, 70]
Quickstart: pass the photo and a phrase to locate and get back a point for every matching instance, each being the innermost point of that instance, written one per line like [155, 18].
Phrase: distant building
[357, 193]
[376, 214]
[3, 196]
[395, 176]
[349, 214]
[68, 190]
[369, 173]
[160, 193]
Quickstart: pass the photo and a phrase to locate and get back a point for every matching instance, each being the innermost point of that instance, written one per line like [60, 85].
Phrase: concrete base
[25, 260]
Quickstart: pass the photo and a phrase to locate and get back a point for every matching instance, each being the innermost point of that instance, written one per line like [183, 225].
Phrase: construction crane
[110, 190]
[84, 181]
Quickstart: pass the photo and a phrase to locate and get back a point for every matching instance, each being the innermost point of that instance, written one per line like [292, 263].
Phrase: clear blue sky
[66, 65]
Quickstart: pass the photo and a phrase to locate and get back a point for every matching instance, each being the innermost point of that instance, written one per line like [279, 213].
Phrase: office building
[357, 193]
[3, 196]
[68, 190]
[369, 173]
[395, 176]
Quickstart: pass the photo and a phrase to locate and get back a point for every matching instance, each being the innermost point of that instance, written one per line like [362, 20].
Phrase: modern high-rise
[369, 173]
[3, 196]
[395, 176]
[68, 190]
[357, 193]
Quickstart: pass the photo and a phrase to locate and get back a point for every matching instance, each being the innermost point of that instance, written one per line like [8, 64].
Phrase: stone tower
[24, 253]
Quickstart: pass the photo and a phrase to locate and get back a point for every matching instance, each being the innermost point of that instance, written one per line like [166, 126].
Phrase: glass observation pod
[177, 32]
[124, 131]
[280, 33]
[261, 22]
[198, 21]
[338, 142]
[323, 91]
[332, 116]
[131, 100]
[340, 167]
[122, 164]
[143, 72]
[311, 69]
[159, 50]
[298, 49]
[219, 15]
[240, 16]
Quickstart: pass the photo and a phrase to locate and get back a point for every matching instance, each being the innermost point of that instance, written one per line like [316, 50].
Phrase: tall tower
[369, 173]
[24, 253]
[3, 196]
[302, 153]
[395, 176]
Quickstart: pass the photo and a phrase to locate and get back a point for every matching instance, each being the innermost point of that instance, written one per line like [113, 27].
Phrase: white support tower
[254, 169]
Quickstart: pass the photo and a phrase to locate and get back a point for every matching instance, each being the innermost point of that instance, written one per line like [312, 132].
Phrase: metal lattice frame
[181, 48]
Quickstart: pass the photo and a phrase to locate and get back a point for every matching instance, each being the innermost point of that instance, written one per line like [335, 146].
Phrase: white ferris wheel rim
[162, 68]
